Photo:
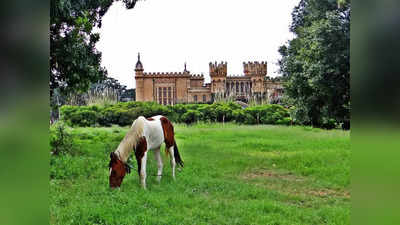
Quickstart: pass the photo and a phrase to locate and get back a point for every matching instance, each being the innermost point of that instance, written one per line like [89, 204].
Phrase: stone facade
[184, 87]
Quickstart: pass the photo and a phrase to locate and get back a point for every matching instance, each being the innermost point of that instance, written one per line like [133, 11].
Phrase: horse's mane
[131, 139]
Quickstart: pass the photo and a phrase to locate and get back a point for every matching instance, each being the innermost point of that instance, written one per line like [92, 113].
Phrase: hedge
[125, 113]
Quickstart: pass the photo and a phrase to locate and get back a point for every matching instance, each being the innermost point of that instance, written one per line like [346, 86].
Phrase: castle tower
[139, 80]
[257, 72]
[218, 73]
[255, 68]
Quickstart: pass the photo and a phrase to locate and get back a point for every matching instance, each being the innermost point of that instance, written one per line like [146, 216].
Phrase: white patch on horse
[143, 171]
[153, 132]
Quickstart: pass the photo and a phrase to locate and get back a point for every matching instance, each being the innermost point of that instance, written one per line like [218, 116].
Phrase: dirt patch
[329, 192]
[289, 183]
[272, 174]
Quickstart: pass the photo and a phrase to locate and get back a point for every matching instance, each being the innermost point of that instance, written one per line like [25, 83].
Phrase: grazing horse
[144, 135]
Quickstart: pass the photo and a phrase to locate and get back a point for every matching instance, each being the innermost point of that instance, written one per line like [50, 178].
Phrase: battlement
[171, 74]
[255, 68]
[218, 69]
[197, 76]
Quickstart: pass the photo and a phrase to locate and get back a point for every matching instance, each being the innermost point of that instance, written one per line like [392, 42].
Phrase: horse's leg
[173, 164]
[159, 163]
[143, 171]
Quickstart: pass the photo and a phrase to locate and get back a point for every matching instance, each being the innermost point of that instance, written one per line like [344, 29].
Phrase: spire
[138, 56]
[185, 70]
[139, 65]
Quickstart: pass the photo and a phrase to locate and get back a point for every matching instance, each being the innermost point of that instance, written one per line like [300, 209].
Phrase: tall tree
[316, 63]
[74, 60]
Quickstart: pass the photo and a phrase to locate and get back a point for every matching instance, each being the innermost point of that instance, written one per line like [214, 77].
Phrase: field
[233, 175]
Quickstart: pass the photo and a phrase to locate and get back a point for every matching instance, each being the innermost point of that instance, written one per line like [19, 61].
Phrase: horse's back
[153, 132]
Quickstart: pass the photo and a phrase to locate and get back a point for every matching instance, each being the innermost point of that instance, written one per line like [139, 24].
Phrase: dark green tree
[316, 63]
[129, 93]
[74, 60]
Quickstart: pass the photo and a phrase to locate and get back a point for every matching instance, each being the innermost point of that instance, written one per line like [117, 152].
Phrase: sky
[168, 33]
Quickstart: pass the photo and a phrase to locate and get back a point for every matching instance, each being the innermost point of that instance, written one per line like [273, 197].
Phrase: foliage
[74, 60]
[190, 116]
[125, 113]
[129, 94]
[60, 139]
[316, 64]
[234, 174]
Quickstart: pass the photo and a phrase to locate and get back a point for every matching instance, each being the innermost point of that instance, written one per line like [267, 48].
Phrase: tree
[74, 60]
[223, 111]
[109, 84]
[316, 64]
[129, 94]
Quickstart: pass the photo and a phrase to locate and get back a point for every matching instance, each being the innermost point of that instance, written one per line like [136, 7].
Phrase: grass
[233, 175]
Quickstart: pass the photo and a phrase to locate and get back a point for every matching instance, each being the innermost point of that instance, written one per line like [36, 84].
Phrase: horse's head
[118, 170]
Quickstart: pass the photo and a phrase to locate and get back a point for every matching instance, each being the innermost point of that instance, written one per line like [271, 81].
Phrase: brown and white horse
[144, 135]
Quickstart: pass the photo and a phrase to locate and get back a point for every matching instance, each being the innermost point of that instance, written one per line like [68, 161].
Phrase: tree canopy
[74, 60]
[316, 63]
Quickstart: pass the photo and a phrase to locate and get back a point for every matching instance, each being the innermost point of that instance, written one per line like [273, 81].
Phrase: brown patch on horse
[168, 130]
[118, 171]
[169, 139]
[140, 149]
[149, 119]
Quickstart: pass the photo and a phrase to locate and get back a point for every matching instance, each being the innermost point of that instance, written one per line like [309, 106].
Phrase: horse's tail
[177, 157]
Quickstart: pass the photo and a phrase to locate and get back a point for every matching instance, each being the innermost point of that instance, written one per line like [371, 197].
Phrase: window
[164, 95]
[169, 96]
[159, 95]
[241, 87]
[204, 98]
[195, 98]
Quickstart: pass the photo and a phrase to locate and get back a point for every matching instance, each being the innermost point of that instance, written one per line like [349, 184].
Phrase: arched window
[159, 95]
[164, 95]
[204, 98]
[169, 96]
[195, 98]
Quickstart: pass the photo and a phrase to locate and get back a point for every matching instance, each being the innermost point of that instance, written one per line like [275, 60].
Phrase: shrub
[239, 116]
[125, 113]
[191, 116]
[61, 141]
[285, 121]
[328, 123]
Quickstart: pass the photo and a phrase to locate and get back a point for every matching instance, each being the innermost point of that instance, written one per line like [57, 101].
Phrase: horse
[145, 134]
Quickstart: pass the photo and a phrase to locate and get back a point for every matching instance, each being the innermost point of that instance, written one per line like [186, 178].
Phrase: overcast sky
[168, 33]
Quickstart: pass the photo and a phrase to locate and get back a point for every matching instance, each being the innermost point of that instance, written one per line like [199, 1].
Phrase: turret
[255, 68]
[139, 65]
[139, 80]
[218, 73]
[218, 69]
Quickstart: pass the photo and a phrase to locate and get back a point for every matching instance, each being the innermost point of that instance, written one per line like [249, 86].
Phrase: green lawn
[233, 175]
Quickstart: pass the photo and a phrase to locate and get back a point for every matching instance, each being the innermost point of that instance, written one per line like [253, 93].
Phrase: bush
[285, 121]
[125, 113]
[239, 116]
[191, 116]
[328, 123]
[61, 141]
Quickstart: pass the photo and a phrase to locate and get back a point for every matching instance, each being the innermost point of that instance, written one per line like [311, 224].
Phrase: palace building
[184, 87]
